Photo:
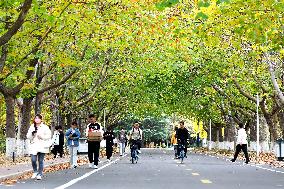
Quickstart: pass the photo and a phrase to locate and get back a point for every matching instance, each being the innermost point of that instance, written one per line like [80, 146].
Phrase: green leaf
[166, 3]
[30, 68]
[222, 1]
[203, 4]
[201, 15]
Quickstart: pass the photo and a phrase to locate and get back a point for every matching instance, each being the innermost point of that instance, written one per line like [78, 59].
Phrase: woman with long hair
[39, 135]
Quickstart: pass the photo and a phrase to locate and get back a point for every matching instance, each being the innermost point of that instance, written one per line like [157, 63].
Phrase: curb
[25, 171]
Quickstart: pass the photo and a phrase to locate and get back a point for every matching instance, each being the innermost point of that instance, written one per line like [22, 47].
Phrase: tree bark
[19, 22]
[274, 82]
[10, 125]
[26, 117]
[69, 118]
[25, 112]
[10, 116]
[281, 122]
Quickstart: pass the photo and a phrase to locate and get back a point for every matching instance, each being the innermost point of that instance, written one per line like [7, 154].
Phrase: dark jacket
[109, 136]
[61, 138]
[182, 134]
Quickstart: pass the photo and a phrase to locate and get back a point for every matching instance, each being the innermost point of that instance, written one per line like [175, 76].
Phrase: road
[157, 170]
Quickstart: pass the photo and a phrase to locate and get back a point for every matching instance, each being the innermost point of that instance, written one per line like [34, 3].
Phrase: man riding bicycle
[182, 135]
[136, 136]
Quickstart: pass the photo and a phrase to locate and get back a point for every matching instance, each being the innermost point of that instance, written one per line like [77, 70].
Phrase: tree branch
[243, 92]
[273, 79]
[64, 80]
[19, 22]
[3, 57]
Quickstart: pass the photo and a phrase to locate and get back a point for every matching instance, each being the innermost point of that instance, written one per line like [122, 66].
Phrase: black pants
[244, 148]
[179, 149]
[109, 150]
[176, 150]
[94, 152]
[57, 149]
[137, 142]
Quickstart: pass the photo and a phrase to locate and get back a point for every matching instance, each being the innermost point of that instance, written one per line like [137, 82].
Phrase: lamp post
[257, 127]
[210, 135]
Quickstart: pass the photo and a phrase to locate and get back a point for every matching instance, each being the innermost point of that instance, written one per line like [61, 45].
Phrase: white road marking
[28, 170]
[252, 165]
[74, 181]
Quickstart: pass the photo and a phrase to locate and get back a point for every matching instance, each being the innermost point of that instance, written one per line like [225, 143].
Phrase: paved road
[157, 170]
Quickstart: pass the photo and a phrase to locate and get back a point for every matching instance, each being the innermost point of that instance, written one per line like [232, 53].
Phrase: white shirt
[242, 136]
[136, 134]
[55, 137]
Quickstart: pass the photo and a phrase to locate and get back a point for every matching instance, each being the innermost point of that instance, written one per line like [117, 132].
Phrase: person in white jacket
[40, 141]
[242, 144]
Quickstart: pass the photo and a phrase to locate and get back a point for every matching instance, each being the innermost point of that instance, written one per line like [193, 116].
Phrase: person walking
[109, 137]
[242, 143]
[94, 137]
[72, 135]
[174, 142]
[58, 142]
[122, 138]
[39, 136]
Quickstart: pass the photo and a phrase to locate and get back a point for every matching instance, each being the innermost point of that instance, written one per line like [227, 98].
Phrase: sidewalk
[14, 170]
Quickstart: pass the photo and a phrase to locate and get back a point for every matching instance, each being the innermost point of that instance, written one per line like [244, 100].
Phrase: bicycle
[181, 148]
[134, 153]
[182, 152]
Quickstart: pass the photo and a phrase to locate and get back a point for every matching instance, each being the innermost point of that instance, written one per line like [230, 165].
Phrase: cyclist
[182, 136]
[136, 136]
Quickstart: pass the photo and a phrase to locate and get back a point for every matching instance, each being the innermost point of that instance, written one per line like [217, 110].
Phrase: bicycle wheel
[133, 160]
[136, 156]
[133, 157]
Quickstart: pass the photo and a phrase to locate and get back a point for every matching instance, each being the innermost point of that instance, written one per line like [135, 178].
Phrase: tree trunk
[10, 125]
[80, 126]
[272, 128]
[229, 133]
[37, 107]
[25, 124]
[69, 119]
[214, 134]
[61, 119]
[281, 122]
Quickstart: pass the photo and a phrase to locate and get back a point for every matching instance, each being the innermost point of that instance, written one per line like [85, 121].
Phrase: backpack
[138, 130]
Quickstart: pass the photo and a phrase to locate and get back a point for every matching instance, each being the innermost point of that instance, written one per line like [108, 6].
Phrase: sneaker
[38, 177]
[232, 160]
[246, 162]
[74, 167]
[34, 175]
[95, 167]
[109, 160]
[91, 165]
[139, 151]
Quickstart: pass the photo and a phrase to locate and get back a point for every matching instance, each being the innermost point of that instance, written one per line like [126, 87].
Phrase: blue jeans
[40, 157]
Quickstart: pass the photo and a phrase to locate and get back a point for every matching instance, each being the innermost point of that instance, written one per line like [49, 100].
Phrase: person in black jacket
[58, 142]
[182, 136]
[93, 145]
[109, 136]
